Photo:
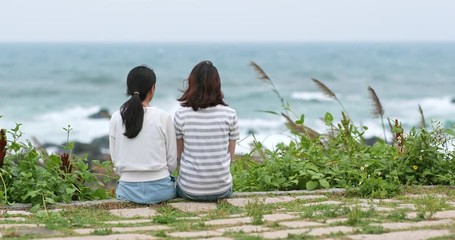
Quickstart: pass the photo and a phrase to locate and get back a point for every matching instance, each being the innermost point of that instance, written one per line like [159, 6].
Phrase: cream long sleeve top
[151, 155]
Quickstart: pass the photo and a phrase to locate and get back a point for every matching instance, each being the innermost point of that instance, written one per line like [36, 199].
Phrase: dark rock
[103, 113]
[453, 100]
[102, 142]
[371, 141]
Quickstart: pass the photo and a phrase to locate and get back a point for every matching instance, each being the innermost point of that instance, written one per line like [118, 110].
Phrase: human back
[206, 131]
[142, 143]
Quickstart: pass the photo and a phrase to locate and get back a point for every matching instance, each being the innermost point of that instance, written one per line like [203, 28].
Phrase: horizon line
[224, 42]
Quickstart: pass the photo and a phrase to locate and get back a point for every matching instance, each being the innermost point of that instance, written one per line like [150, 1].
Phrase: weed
[371, 229]
[356, 216]
[102, 231]
[255, 210]
[161, 233]
[303, 236]
[428, 205]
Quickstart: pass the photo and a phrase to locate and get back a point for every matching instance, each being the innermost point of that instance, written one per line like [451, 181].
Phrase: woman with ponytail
[142, 143]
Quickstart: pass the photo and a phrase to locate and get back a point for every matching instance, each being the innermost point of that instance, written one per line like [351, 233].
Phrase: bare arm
[231, 149]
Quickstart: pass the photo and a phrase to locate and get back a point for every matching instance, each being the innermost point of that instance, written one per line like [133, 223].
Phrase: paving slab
[336, 220]
[308, 231]
[15, 212]
[14, 219]
[239, 202]
[426, 195]
[134, 212]
[245, 229]
[322, 203]
[300, 224]
[194, 207]
[407, 206]
[379, 201]
[404, 235]
[196, 234]
[124, 229]
[130, 221]
[215, 238]
[278, 217]
[279, 199]
[411, 215]
[107, 237]
[19, 225]
[229, 221]
[445, 214]
[311, 197]
[242, 202]
[35, 231]
[329, 230]
[406, 225]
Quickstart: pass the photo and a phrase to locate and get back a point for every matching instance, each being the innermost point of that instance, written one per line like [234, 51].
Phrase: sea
[47, 87]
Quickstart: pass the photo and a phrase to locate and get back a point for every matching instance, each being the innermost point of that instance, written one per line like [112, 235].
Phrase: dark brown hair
[139, 82]
[204, 87]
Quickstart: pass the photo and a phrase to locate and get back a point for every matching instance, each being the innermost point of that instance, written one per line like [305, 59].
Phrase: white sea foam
[310, 96]
[48, 127]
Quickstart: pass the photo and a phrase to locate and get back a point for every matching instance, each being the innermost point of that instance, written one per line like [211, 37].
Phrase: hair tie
[136, 93]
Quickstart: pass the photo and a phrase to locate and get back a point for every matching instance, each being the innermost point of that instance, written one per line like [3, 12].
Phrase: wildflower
[379, 173]
[415, 167]
[2, 146]
[362, 168]
[66, 164]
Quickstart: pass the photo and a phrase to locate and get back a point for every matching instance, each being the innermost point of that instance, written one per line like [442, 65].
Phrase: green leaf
[49, 200]
[311, 185]
[450, 132]
[328, 119]
[70, 190]
[301, 120]
[324, 183]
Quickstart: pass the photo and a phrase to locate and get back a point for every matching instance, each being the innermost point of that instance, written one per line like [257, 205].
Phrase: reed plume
[261, 73]
[265, 78]
[329, 93]
[422, 123]
[302, 129]
[2, 147]
[378, 111]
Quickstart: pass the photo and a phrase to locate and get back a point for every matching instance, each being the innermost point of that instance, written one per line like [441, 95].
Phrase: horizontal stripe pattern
[205, 162]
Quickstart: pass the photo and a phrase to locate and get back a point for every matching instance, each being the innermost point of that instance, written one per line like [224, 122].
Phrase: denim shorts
[149, 192]
[208, 198]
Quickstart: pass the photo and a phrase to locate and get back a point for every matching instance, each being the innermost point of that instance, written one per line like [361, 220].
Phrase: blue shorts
[149, 192]
[208, 198]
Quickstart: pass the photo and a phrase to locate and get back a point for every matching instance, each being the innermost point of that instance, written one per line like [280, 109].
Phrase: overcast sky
[227, 20]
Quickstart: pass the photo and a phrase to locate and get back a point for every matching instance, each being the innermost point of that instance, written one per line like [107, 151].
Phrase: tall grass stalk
[422, 118]
[377, 110]
[329, 93]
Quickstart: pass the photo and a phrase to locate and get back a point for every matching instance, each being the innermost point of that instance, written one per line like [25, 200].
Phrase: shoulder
[226, 109]
[154, 111]
[183, 111]
[116, 115]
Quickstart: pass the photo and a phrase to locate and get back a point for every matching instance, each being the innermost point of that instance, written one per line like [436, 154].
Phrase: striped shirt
[205, 161]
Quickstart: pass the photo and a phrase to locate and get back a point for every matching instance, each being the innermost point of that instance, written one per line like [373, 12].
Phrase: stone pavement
[277, 215]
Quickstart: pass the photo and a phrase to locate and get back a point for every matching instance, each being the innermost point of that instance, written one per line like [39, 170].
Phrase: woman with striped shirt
[206, 131]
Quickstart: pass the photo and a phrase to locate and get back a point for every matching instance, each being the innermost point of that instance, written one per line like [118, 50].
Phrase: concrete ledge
[114, 203]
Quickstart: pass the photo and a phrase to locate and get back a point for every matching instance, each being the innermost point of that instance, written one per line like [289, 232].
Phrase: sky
[226, 20]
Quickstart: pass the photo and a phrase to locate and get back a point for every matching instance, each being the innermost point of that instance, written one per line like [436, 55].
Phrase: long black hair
[139, 82]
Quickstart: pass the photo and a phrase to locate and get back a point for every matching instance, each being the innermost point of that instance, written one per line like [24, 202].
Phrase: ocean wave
[310, 96]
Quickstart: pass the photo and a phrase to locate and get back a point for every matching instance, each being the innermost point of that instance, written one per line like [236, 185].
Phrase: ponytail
[132, 114]
[140, 81]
